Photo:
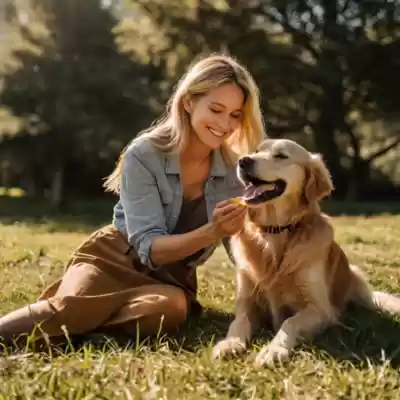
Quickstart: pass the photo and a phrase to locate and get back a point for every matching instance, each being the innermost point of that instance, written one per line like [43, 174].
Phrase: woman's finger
[238, 219]
[228, 209]
[232, 215]
[223, 203]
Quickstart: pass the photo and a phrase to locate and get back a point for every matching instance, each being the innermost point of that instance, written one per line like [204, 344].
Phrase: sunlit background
[80, 78]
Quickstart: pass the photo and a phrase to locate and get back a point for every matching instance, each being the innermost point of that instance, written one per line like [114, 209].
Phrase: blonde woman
[174, 183]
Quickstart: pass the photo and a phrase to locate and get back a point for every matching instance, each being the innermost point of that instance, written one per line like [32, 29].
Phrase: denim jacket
[151, 195]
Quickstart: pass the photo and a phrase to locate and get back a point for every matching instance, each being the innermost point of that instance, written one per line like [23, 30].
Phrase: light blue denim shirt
[151, 195]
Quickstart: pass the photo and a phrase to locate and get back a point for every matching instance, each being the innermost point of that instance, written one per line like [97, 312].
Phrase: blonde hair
[171, 133]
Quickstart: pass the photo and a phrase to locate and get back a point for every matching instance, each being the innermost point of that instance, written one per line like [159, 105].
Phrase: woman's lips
[216, 133]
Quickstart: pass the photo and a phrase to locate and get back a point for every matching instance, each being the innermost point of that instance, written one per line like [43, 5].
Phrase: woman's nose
[224, 124]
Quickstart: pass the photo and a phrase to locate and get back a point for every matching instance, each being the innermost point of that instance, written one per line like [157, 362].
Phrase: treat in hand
[239, 200]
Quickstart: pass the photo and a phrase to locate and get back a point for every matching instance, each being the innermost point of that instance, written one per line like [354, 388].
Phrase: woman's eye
[237, 116]
[281, 156]
[215, 111]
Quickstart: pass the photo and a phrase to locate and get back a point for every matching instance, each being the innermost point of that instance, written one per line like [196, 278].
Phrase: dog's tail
[362, 294]
[387, 302]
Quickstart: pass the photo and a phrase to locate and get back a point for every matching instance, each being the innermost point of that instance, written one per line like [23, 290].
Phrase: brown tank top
[193, 215]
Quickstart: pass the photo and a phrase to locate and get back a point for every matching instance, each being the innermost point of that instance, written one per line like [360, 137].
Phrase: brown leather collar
[277, 229]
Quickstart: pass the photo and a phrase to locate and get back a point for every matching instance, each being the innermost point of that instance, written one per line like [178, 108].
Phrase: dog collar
[276, 229]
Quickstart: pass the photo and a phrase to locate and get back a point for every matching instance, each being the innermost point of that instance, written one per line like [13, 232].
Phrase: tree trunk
[358, 178]
[4, 177]
[57, 186]
[325, 130]
[29, 185]
[332, 115]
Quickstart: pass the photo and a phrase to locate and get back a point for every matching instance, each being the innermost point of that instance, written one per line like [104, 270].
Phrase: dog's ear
[318, 183]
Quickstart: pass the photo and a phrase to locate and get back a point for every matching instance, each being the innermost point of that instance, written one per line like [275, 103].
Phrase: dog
[287, 260]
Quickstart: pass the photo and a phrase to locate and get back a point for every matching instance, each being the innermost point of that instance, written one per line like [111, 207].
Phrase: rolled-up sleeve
[141, 201]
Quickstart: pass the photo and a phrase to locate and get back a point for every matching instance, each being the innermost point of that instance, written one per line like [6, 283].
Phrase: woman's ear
[187, 104]
[318, 183]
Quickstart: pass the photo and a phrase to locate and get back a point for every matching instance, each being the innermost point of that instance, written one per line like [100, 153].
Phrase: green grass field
[358, 360]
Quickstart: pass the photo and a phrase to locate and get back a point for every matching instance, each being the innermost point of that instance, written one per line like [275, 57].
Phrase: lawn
[358, 360]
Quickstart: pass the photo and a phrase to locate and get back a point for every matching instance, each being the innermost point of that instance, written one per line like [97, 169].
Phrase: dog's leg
[279, 316]
[303, 324]
[247, 318]
[239, 333]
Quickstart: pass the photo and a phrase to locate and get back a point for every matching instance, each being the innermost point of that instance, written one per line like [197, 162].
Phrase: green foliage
[324, 67]
[78, 95]
[82, 82]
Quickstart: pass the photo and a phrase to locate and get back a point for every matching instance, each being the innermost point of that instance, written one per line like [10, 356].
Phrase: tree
[305, 55]
[78, 95]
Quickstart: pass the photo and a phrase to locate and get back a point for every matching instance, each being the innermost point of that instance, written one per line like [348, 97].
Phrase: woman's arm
[172, 248]
[145, 219]
[142, 205]
[146, 224]
[227, 219]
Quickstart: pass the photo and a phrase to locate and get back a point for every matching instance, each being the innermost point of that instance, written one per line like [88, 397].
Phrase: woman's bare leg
[23, 320]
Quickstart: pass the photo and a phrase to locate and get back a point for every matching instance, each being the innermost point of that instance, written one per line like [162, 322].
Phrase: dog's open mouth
[259, 191]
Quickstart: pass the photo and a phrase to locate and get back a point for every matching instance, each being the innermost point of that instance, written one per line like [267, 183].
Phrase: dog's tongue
[252, 191]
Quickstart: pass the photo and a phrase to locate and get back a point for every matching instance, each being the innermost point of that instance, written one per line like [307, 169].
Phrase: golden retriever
[286, 255]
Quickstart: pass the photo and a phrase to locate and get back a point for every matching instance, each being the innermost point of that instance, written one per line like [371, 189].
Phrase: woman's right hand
[228, 218]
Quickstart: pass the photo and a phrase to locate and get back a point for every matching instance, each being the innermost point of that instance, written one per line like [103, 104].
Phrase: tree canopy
[84, 80]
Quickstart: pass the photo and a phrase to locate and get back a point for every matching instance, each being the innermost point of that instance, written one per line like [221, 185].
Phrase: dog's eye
[281, 156]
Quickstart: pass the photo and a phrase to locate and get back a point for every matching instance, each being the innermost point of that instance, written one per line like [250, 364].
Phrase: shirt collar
[218, 165]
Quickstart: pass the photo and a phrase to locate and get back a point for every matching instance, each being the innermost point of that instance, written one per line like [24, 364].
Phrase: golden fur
[302, 269]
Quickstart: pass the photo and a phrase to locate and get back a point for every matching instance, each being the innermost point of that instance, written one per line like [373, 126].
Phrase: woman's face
[217, 114]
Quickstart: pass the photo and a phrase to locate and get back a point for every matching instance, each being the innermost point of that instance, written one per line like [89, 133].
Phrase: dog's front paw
[228, 347]
[272, 354]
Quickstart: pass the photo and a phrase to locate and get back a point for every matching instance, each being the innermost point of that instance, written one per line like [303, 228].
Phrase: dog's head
[282, 168]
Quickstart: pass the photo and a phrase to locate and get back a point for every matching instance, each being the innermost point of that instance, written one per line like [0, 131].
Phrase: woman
[174, 182]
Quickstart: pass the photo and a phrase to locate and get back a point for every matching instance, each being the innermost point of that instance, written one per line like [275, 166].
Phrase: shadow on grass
[199, 332]
[364, 338]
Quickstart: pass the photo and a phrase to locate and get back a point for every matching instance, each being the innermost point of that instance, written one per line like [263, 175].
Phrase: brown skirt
[106, 286]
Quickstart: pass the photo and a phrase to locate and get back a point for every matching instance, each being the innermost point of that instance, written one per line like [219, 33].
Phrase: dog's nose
[245, 162]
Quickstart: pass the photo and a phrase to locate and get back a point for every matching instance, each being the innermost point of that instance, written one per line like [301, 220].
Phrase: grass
[359, 360]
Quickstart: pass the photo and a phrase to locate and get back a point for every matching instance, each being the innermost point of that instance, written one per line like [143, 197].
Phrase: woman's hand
[228, 218]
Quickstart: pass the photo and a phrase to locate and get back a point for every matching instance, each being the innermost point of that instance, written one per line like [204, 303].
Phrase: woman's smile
[217, 132]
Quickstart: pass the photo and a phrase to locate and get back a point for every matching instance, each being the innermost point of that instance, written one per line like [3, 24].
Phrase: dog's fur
[302, 269]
